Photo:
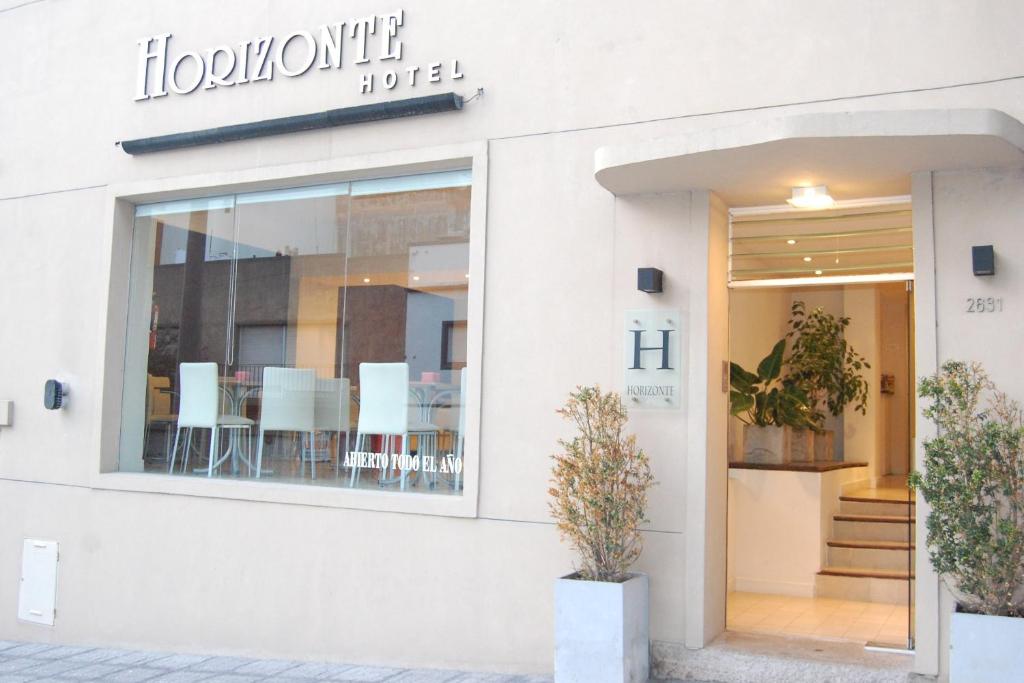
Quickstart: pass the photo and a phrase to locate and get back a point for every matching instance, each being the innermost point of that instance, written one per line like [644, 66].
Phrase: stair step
[865, 589]
[854, 572]
[871, 545]
[884, 508]
[868, 499]
[884, 519]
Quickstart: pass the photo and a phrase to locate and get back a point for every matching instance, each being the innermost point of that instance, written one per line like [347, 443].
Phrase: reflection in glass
[295, 294]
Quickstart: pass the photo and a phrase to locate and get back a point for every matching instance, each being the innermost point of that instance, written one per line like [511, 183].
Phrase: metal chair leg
[355, 467]
[213, 451]
[312, 454]
[259, 453]
[174, 453]
[188, 450]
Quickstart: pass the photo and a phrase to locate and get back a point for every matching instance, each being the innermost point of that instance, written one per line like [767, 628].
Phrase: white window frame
[121, 201]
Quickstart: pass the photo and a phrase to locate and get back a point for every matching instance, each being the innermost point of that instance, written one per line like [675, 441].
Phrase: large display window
[311, 335]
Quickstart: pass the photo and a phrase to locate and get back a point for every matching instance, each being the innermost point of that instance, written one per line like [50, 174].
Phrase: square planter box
[824, 446]
[764, 444]
[800, 444]
[984, 648]
[601, 631]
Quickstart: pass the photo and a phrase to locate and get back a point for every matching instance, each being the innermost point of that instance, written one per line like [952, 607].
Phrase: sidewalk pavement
[24, 662]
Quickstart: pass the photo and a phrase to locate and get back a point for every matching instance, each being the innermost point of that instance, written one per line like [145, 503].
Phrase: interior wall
[757, 320]
[862, 434]
[894, 359]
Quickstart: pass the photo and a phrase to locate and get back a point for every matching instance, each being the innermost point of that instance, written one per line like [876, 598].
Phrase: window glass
[313, 335]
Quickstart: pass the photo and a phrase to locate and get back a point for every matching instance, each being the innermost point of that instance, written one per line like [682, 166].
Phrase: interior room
[820, 526]
[313, 335]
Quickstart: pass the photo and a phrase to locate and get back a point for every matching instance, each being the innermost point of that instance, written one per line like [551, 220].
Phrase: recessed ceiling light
[416, 278]
[817, 272]
[366, 279]
[790, 241]
[816, 197]
[467, 274]
[807, 259]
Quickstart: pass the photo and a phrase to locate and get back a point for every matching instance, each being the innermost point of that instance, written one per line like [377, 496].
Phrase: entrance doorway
[821, 521]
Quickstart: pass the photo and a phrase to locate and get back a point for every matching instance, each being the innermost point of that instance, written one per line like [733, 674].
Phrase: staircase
[869, 556]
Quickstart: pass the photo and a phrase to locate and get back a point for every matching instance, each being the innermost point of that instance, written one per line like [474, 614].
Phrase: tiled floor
[24, 662]
[818, 618]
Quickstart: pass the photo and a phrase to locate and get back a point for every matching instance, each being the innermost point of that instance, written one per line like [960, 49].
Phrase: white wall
[863, 434]
[757, 320]
[780, 522]
[152, 571]
[965, 209]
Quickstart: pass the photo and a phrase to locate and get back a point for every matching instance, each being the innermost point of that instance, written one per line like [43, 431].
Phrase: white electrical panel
[37, 596]
[6, 413]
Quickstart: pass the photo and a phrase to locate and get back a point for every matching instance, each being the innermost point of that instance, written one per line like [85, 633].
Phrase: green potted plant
[767, 403]
[827, 368]
[599, 499]
[973, 480]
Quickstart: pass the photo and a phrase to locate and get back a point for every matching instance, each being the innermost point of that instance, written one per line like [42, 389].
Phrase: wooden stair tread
[871, 545]
[854, 572]
[885, 519]
[869, 499]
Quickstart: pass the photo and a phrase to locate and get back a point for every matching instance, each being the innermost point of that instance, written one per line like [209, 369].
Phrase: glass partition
[312, 335]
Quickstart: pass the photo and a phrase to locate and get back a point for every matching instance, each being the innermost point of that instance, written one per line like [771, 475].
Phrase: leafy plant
[823, 364]
[599, 486]
[973, 479]
[763, 399]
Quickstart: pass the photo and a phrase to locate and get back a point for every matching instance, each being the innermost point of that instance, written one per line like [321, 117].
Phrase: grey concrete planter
[601, 631]
[764, 444]
[799, 444]
[984, 649]
[824, 446]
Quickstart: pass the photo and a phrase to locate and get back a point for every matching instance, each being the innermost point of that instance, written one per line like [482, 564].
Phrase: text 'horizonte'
[356, 41]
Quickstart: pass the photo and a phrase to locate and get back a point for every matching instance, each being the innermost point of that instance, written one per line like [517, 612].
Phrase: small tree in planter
[766, 404]
[827, 368]
[973, 479]
[599, 499]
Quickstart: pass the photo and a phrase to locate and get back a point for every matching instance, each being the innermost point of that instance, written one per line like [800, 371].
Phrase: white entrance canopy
[857, 154]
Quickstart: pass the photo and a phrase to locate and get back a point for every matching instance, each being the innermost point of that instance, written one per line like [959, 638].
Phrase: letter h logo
[637, 349]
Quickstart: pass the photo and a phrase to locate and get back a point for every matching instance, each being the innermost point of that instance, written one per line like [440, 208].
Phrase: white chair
[331, 412]
[287, 406]
[199, 408]
[384, 412]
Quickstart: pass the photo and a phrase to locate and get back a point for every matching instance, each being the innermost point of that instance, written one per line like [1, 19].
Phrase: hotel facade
[313, 280]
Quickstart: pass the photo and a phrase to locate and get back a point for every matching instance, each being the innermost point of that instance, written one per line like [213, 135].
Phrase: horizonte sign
[160, 72]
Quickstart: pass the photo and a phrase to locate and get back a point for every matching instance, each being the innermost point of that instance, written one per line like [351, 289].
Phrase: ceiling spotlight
[467, 274]
[790, 241]
[366, 280]
[807, 259]
[416, 278]
[816, 197]
[817, 272]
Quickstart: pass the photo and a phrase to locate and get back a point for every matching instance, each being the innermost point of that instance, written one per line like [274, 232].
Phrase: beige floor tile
[778, 620]
[833, 630]
[862, 632]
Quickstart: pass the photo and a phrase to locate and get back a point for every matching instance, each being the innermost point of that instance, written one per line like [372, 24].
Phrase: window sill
[384, 500]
